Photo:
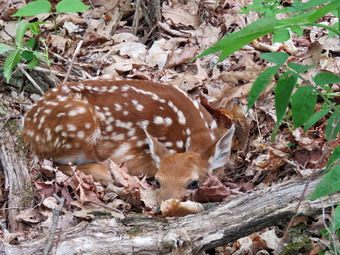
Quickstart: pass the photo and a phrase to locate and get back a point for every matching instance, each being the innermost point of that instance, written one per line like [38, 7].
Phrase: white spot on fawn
[122, 150]
[58, 128]
[168, 144]
[167, 121]
[181, 118]
[81, 134]
[196, 104]
[118, 107]
[71, 127]
[76, 111]
[179, 144]
[60, 114]
[158, 120]
[51, 103]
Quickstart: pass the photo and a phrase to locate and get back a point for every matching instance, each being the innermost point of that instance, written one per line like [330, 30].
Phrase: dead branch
[17, 180]
[239, 217]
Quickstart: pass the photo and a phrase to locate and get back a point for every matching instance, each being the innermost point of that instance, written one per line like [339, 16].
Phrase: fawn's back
[156, 129]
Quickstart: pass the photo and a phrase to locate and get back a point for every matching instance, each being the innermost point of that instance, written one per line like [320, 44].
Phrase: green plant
[30, 51]
[303, 100]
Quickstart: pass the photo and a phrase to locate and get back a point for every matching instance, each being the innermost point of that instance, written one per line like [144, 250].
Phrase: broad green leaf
[324, 78]
[260, 84]
[311, 4]
[303, 105]
[333, 125]
[4, 48]
[33, 8]
[33, 63]
[332, 33]
[281, 35]
[30, 43]
[299, 68]
[283, 91]
[11, 61]
[315, 118]
[71, 6]
[310, 16]
[297, 30]
[20, 32]
[34, 27]
[275, 57]
[233, 42]
[28, 55]
[335, 156]
[329, 184]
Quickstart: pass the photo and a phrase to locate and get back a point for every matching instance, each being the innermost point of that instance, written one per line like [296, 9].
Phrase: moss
[134, 231]
[297, 242]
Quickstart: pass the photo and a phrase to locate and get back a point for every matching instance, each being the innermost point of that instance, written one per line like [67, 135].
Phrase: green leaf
[283, 91]
[4, 48]
[337, 217]
[11, 61]
[316, 117]
[335, 156]
[28, 55]
[33, 63]
[303, 105]
[281, 35]
[71, 6]
[299, 68]
[308, 17]
[311, 4]
[275, 57]
[237, 40]
[20, 32]
[34, 27]
[260, 84]
[297, 30]
[333, 125]
[33, 8]
[329, 184]
[30, 43]
[324, 78]
[332, 33]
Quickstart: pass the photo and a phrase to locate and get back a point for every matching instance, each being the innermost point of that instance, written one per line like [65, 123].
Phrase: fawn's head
[180, 174]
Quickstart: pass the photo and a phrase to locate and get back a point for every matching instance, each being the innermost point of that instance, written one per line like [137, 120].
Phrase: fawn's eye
[157, 184]
[193, 185]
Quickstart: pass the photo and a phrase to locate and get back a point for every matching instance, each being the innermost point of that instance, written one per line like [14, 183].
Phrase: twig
[136, 17]
[10, 117]
[55, 220]
[29, 77]
[331, 233]
[6, 119]
[72, 61]
[171, 31]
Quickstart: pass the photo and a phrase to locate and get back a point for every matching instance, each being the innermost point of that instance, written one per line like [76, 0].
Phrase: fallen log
[192, 234]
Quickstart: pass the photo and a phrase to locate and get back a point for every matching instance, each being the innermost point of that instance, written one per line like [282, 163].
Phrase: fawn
[156, 129]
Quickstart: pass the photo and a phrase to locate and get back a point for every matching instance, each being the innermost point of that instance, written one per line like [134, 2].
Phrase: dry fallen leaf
[30, 216]
[175, 208]
[212, 190]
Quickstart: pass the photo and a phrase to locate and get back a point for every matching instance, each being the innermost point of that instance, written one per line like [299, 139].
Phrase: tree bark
[193, 234]
[17, 180]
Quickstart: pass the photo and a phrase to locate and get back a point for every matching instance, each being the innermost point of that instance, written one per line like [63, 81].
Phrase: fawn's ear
[157, 150]
[219, 153]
